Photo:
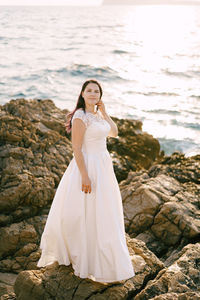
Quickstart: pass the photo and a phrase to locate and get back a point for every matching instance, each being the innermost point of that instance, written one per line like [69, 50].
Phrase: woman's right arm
[78, 131]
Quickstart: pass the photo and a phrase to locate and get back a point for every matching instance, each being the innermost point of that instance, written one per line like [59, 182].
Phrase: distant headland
[150, 2]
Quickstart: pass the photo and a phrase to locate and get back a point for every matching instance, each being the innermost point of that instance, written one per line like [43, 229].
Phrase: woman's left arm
[113, 130]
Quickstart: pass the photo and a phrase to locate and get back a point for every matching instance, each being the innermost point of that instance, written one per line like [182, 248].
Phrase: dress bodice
[97, 130]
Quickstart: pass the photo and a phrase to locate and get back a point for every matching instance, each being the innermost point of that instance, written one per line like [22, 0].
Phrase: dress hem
[90, 275]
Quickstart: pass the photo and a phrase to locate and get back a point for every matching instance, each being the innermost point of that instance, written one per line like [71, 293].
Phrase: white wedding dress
[87, 229]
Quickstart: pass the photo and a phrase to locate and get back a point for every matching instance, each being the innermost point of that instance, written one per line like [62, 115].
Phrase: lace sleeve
[79, 114]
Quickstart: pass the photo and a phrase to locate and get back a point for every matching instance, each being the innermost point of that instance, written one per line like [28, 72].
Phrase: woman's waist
[94, 147]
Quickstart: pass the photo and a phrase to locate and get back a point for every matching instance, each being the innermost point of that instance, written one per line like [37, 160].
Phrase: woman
[85, 225]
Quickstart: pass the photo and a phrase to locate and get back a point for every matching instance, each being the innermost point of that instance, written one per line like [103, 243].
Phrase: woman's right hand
[86, 184]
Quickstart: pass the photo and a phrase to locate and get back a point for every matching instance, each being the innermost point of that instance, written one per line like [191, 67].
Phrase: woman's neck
[90, 111]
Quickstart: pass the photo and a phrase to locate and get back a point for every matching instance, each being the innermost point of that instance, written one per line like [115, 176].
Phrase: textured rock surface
[7, 281]
[34, 153]
[59, 282]
[179, 281]
[160, 197]
[10, 296]
[161, 206]
[19, 244]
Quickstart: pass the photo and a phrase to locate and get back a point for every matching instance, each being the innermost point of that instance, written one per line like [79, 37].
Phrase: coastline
[160, 196]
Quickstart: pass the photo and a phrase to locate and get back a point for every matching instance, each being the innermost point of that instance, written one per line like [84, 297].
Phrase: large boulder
[19, 244]
[161, 206]
[181, 280]
[59, 282]
[7, 281]
[34, 153]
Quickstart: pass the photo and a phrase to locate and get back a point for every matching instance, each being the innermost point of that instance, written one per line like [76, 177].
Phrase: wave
[67, 49]
[171, 145]
[120, 52]
[152, 93]
[28, 77]
[164, 111]
[195, 96]
[19, 95]
[188, 74]
[31, 88]
[193, 151]
[98, 26]
[186, 125]
[81, 70]
[177, 74]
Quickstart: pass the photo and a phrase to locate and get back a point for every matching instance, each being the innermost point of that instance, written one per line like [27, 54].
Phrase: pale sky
[83, 2]
[150, 1]
[50, 2]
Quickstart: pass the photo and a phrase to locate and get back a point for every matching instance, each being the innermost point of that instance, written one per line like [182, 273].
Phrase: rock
[34, 154]
[59, 282]
[35, 151]
[134, 149]
[160, 207]
[160, 199]
[179, 281]
[14, 236]
[7, 281]
[9, 296]
[19, 244]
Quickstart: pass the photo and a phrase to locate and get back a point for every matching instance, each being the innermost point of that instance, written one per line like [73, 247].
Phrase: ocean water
[147, 58]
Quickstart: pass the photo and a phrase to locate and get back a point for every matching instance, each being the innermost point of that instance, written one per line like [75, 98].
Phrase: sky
[150, 1]
[50, 2]
[77, 2]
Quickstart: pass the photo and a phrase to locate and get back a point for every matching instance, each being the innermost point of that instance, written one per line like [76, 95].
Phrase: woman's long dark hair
[80, 103]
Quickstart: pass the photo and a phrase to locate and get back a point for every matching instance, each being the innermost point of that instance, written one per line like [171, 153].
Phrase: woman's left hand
[101, 107]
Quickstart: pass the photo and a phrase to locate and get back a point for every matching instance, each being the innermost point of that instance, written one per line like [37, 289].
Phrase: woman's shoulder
[79, 113]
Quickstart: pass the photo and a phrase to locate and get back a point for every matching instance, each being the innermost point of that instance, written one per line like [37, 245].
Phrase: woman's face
[91, 94]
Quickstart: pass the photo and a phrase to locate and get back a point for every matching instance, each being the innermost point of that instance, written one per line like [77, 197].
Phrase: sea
[146, 57]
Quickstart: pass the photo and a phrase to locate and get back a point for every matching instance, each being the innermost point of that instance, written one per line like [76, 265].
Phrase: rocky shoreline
[160, 199]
